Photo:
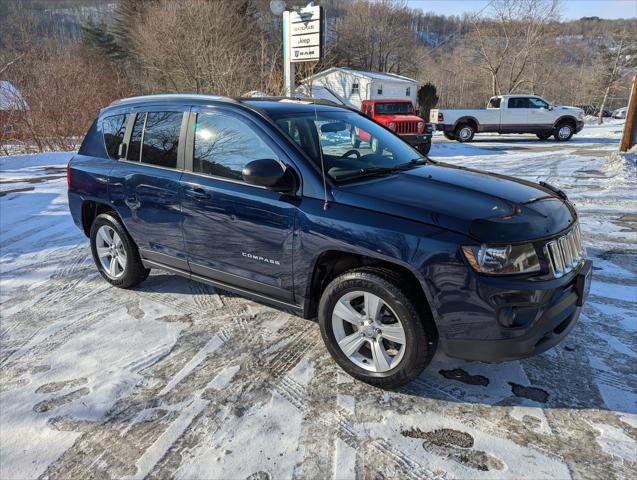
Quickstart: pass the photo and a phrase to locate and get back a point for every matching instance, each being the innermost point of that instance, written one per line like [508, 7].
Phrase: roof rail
[172, 96]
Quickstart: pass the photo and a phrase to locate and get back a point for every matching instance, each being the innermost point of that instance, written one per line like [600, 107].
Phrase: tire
[424, 148]
[356, 142]
[449, 136]
[544, 136]
[563, 132]
[393, 363]
[125, 269]
[464, 132]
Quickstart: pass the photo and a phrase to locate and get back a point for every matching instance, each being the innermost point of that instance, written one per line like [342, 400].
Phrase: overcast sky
[571, 9]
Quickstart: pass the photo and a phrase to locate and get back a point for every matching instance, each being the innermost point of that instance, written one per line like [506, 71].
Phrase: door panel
[515, 115]
[239, 234]
[234, 232]
[145, 193]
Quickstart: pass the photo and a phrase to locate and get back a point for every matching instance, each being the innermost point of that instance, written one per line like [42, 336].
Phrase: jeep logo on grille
[260, 258]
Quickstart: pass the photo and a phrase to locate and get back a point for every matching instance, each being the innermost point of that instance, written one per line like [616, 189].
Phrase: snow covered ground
[175, 379]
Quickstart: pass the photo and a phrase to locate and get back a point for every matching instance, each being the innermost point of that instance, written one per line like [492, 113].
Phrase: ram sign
[305, 40]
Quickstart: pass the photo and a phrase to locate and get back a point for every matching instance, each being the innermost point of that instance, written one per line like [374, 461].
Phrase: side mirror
[551, 107]
[270, 174]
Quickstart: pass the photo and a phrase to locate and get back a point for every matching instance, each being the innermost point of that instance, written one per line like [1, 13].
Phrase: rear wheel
[373, 330]
[563, 132]
[464, 132]
[115, 254]
[543, 136]
[449, 136]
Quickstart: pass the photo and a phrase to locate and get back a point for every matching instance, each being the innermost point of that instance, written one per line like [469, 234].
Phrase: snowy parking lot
[176, 379]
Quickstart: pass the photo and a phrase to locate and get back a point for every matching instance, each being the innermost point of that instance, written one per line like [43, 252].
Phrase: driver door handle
[197, 193]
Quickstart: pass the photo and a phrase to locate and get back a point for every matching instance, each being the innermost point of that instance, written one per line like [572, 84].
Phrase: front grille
[566, 253]
[406, 127]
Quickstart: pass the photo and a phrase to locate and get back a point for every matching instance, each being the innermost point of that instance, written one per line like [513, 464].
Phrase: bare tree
[507, 40]
[614, 59]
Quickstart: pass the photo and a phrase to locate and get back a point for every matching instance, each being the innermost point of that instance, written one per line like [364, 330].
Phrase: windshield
[352, 145]
[394, 108]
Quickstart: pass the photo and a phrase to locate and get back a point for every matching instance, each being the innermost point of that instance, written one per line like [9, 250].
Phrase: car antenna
[320, 149]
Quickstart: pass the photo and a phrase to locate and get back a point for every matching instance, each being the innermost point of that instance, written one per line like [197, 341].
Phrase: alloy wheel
[368, 331]
[564, 132]
[110, 251]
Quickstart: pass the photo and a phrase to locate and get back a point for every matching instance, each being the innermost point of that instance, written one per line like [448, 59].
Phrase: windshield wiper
[412, 163]
[368, 172]
[371, 171]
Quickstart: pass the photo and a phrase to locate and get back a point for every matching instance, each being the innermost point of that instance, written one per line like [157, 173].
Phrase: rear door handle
[197, 193]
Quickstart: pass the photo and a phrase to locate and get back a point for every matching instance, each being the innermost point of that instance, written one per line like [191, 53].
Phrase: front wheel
[563, 132]
[464, 133]
[424, 148]
[373, 330]
[115, 254]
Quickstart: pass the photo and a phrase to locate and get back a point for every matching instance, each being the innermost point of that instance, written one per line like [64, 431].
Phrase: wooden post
[630, 127]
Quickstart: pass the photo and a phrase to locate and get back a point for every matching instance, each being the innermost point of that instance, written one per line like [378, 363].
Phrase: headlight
[503, 260]
[392, 125]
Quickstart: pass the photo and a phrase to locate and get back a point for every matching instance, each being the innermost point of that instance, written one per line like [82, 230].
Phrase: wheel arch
[330, 264]
[90, 210]
[566, 119]
[467, 119]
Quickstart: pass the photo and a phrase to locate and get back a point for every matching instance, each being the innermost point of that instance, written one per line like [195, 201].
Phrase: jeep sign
[305, 30]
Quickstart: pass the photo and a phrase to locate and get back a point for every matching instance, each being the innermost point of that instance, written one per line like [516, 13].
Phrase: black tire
[544, 136]
[425, 148]
[464, 132]
[419, 329]
[356, 142]
[134, 271]
[449, 135]
[563, 131]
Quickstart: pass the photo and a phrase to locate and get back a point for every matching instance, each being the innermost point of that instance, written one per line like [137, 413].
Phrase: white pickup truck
[510, 114]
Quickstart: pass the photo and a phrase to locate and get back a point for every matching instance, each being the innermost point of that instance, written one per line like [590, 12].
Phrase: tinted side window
[114, 129]
[537, 103]
[224, 144]
[135, 147]
[518, 102]
[161, 136]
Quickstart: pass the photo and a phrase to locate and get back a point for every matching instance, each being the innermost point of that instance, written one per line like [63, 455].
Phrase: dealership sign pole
[302, 40]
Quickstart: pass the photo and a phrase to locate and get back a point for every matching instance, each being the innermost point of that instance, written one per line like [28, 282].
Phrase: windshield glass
[394, 108]
[352, 145]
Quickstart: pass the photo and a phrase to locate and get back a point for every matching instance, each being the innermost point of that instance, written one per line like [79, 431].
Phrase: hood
[488, 207]
[573, 110]
[397, 118]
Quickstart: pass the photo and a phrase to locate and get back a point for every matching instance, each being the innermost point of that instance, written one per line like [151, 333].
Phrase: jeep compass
[395, 254]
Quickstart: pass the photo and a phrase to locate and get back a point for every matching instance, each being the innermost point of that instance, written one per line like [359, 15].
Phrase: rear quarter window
[114, 129]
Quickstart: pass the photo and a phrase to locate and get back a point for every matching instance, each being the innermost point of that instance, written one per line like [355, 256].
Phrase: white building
[351, 87]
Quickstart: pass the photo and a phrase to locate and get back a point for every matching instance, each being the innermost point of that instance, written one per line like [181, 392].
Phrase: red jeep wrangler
[400, 117]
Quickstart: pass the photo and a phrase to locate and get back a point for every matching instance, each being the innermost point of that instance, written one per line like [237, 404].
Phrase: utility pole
[630, 127]
[288, 66]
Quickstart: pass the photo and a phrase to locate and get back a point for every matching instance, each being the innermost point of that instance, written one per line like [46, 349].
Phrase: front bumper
[416, 139]
[544, 324]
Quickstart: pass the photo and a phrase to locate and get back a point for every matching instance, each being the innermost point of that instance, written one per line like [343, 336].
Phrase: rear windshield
[495, 102]
[396, 108]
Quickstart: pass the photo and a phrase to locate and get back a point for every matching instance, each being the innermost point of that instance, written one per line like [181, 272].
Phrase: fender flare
[467, 119]
[565, 118]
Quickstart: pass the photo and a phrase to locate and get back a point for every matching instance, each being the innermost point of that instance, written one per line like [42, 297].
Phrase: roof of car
[268, 104]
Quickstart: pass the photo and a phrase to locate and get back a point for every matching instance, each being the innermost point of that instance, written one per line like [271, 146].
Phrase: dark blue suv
[395, 254]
